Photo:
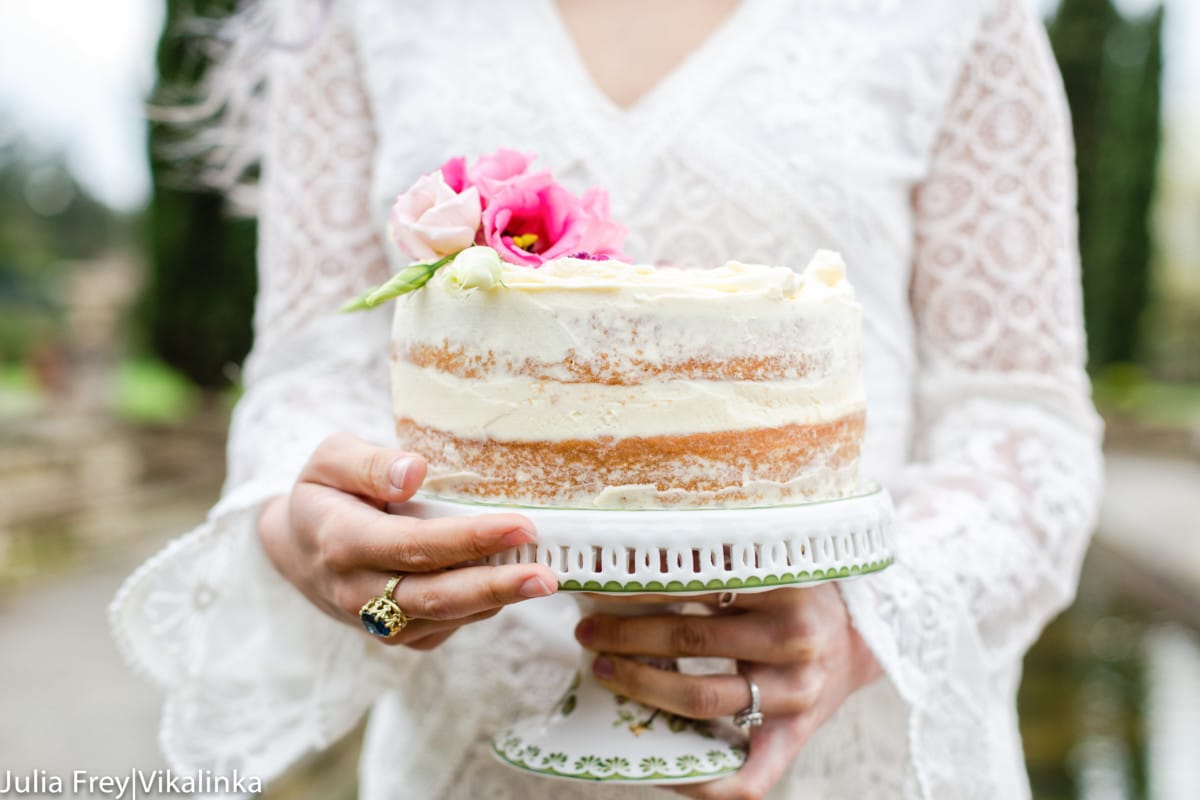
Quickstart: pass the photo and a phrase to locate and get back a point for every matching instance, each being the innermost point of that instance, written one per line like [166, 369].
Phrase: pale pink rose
[489, 173]
[432, 220]
[532, 219]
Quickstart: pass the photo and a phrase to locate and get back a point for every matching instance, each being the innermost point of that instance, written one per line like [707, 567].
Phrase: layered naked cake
[591, 383]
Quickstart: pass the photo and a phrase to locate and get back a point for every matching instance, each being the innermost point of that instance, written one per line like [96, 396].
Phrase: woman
[927, 141]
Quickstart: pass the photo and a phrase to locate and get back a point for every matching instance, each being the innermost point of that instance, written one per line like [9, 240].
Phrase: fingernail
[517, 536]
[399, 470]
[602, 667]
[584, 631]
[535, 587]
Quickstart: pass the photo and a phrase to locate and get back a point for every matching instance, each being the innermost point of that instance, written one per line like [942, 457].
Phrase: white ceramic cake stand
[589, 733]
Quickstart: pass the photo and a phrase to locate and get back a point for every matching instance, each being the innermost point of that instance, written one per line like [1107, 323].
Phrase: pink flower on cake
[605, 237]
[432, 219]
[454, 173]
[532, 219]
[489, 173]
[526, 218]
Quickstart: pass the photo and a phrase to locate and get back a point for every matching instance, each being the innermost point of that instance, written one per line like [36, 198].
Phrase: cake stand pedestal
[589, 733]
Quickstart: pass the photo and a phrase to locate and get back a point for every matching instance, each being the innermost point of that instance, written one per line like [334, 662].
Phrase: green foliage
[149, 391]
[46, 220]
[198, 302]
[199, 298]
[1128, 390]
[1112, 68]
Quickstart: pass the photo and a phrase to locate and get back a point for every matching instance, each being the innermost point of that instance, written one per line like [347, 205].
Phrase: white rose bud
[474, 268]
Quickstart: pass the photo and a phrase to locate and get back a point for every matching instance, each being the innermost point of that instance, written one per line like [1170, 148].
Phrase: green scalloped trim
[717, 585]
[530, 759]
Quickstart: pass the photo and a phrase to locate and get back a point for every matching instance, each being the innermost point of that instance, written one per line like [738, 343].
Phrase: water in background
[1110, 702]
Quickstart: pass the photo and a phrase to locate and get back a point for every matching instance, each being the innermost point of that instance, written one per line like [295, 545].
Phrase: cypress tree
[1111, 68]
[198, 303]
[1131, 148]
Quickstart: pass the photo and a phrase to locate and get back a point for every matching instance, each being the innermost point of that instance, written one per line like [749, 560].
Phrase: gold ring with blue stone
[381, 616]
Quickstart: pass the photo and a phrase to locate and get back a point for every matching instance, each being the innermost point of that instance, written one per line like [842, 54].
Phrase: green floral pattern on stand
[639, 723]
[566, 703]
[716, 762]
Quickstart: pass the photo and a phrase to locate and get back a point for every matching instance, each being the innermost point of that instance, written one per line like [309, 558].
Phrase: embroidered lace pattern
[935, 156]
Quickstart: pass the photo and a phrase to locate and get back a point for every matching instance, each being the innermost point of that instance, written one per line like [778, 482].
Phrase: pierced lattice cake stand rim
[591, 735]
[696, 550]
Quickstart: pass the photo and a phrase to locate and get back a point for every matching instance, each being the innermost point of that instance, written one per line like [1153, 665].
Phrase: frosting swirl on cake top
[824, 276]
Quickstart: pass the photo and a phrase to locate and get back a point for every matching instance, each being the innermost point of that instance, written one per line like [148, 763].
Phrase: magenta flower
[531, 219]
[454, 173]
[489, 173]
[604, 236]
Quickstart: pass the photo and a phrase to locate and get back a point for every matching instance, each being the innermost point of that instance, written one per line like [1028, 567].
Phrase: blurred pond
[1110, 703]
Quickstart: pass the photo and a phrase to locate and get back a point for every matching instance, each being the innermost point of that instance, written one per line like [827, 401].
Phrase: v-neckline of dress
[700, 67]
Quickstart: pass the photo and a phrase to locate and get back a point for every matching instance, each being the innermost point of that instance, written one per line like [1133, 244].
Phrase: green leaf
[406, 280]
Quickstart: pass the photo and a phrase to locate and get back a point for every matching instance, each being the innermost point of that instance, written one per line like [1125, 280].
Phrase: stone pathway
[1151, 516]
[69, 702]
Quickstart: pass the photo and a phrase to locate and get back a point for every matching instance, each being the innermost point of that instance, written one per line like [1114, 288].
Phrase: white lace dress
[928, 141]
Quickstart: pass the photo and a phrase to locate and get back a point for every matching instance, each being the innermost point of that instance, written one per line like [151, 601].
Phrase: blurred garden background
[125, 309]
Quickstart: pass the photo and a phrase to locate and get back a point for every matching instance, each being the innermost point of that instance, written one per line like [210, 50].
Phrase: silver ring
[751, 716]
[725, 599]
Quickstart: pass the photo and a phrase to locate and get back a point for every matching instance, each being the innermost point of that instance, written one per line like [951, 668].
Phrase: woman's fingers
[742, 600]
[691, 696]
[378, 474]
[408, 544]
[453, 595]
[345, 465]
[353, 536]
[431, 641]
[700, 696]
[749, 637]
[459, 593]
[334, 541]
[434, 631]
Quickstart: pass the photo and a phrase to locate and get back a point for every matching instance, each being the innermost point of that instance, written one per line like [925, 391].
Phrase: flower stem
[406, 280]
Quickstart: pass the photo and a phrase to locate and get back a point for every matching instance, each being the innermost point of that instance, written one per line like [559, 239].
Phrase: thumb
[382, 474]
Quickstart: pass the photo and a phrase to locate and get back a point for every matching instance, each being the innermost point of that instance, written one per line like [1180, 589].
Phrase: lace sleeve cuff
[210, 603]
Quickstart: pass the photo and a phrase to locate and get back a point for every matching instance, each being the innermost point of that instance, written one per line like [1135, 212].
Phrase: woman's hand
[797, 644]
[333, 539]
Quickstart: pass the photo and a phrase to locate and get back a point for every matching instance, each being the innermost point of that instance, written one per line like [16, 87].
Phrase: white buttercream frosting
[543, 345]
[578, 309]
[733, 278]
[516, 408]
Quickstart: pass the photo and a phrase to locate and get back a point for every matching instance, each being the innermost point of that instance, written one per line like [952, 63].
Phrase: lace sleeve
[997, 509]
[254, 675]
